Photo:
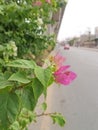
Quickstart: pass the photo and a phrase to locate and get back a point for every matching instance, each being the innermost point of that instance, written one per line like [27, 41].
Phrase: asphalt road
[78, 102]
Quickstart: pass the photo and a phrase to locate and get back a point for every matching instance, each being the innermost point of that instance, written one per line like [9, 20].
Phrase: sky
[80, 16]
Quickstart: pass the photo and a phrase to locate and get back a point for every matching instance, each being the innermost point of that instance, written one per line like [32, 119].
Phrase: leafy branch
[56, 117]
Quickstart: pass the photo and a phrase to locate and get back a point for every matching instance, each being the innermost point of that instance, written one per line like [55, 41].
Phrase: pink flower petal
[72, 75]
[48, 1]
[62, 79]
[63, 76]
[58, 60]
[37, 3]
[62, 69]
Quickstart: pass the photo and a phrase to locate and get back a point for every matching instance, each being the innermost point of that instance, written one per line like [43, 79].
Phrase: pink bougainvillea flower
[48, 1]
[58, 60]
[37, 3]
[64, 76]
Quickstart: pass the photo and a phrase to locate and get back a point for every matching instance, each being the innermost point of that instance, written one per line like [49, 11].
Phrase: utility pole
[89, 34]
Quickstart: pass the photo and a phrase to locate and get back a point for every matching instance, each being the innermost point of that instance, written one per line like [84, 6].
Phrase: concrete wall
[57, 17]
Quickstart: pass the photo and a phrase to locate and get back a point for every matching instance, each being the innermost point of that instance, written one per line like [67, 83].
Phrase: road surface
[78, 102]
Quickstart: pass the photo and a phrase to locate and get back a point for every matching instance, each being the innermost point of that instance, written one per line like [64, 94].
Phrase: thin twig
[45, 114]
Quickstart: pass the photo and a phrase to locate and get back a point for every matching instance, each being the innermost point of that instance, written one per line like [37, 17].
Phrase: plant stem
[45, 114]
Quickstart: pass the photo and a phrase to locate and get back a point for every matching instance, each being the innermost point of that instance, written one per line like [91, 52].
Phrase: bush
[23, 34]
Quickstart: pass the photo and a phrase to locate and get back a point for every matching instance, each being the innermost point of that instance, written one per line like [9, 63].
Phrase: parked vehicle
[66, 47]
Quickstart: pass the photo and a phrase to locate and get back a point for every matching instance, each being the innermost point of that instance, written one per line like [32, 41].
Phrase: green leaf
[58, 118]
[26, 117]
[21, 63]
[37, 88]
[1, 48]
[19, 77]
[44, 106]
[15, 126]
[51, 81]
[4, 84]
[28, 99]
[43, 75]
[9, 107]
